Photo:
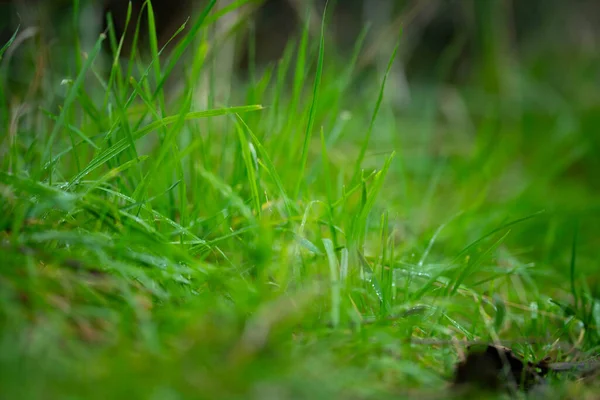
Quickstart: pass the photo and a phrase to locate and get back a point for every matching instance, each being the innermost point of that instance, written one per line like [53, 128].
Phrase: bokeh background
[479, 33]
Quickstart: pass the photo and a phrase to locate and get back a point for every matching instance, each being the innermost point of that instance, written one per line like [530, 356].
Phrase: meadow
[303, 238]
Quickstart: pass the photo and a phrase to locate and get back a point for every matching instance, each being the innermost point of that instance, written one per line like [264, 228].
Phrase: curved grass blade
[363, 149]
[270, 167]
[9, 43]
[71, 98]
[123, 144]
[453, 263]
[313, 107]
[181, 46]
[251, 167]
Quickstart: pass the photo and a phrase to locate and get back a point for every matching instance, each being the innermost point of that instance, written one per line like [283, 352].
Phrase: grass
[155, 249]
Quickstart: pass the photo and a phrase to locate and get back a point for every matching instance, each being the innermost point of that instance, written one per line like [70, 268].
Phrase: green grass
[312, 244]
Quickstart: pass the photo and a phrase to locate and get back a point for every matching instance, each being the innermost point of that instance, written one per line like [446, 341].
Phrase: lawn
[304, 238]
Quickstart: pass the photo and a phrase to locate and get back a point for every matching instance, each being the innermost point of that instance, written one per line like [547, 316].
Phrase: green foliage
[157, 248]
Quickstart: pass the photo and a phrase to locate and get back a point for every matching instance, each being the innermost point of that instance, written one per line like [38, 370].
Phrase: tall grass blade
[313, 107]
[365, 144]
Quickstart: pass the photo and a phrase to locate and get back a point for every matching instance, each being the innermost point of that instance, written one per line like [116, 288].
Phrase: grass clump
[312, 243]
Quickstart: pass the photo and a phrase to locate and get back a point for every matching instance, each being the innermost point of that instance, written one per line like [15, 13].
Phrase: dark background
[484, 33]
